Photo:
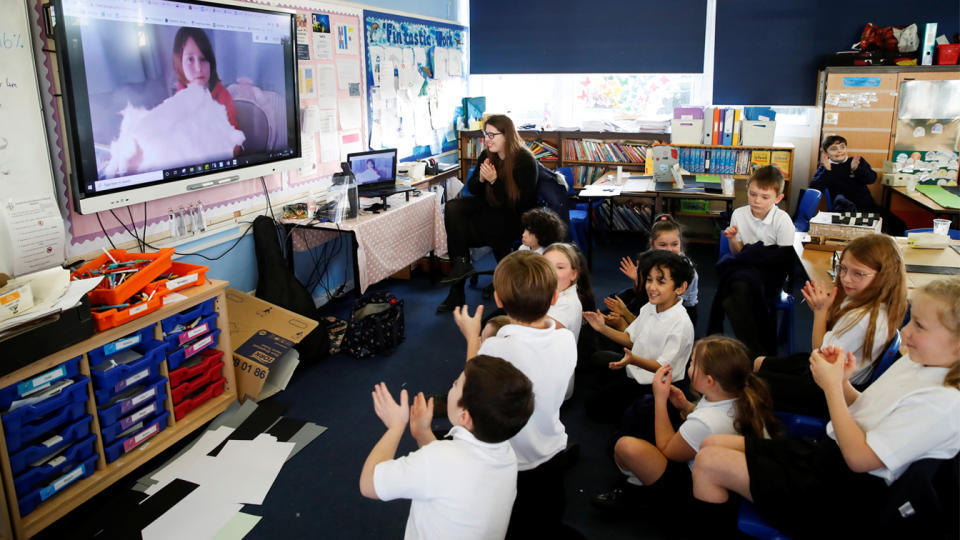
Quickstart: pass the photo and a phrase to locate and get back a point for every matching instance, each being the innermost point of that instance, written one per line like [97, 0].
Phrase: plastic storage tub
[177, 339]
[212, 390]
[30, 421]
[34, 476]
[31, 501]
[126, 444]
[51, 442]
[68, 369]
[184, 389]
[144, 393]
[107, 384]
[159, 263]
[200, 310]
[177, 357]
[207, 358]
[112, 431]
[188, 275]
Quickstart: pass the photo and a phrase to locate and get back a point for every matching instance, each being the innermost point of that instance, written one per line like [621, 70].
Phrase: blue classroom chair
[806, 209]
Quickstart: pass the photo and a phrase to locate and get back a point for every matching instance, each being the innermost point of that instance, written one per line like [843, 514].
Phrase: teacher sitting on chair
[504, 186]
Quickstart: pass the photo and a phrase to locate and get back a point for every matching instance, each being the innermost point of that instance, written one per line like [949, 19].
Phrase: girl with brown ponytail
[734, 401]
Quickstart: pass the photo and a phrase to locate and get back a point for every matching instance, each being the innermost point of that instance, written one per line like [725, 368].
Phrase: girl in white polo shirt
[860, 313]
[574, 293]
[910, 413]
[734, 401]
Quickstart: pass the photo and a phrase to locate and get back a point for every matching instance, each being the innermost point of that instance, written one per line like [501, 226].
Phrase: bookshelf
[588, 154]
[738, 162]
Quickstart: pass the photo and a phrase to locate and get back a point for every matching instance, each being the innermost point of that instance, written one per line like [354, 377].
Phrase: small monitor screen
[162, 90]
[377, 167]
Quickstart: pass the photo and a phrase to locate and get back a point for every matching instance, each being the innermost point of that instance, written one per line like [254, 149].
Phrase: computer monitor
[375, 169]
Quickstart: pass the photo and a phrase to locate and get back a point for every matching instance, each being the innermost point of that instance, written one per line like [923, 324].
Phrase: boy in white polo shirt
[525, 285]
[661, 335]
[761, 220]
[462, 488]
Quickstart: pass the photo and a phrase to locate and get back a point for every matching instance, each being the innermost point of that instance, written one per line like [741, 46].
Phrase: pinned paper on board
[307, 87]
[347, 39]
[322, 47]
[376, 62]
[326, 84]
[348, 71]
[349, 109]
[831, 118]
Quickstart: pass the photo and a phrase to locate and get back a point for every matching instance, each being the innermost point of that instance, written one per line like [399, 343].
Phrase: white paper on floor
[242, 472]
[197, 517]
[208, 441]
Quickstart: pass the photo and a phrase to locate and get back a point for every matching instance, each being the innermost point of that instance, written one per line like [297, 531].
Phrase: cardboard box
[263, 336]
[757, 133]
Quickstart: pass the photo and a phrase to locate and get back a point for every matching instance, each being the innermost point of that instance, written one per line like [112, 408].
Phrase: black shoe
[619, 499]
[487, 292]
[454, 299]
[462, 269]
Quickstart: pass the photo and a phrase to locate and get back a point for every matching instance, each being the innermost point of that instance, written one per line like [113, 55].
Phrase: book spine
[716, 127]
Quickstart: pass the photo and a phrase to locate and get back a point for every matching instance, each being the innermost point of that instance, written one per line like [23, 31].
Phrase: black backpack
[552, 193]
[376, 325]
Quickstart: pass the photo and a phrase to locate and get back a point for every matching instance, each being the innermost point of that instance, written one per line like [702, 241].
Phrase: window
[566, 100]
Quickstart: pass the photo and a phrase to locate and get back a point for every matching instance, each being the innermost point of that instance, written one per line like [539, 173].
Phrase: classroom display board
[330, 54]
[416, 77]
[330, 58]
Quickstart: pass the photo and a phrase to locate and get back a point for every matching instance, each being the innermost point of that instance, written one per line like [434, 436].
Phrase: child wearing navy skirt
[908, 414]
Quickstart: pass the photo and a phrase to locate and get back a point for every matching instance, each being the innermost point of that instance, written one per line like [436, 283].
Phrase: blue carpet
[316, 494]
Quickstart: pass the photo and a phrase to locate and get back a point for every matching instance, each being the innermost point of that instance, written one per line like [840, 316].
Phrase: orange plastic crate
[103, 295]
[189, 275]
[110, 318]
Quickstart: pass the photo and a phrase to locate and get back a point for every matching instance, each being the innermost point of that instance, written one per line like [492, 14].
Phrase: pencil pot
[376, 325]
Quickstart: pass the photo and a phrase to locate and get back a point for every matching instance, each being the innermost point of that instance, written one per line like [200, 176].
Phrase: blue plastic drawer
[111, 432]
[68, 369]
[51, 442]
[177, 339]
[101, 353]
[122, 446]
[31, 501]
[107, 384]
[185, 317]
[35, 476]
[31, 421]
[139, 396]
[175, 358]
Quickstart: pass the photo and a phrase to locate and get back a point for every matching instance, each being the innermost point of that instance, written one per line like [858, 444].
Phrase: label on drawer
[121, 344]
[132, 442]
[137, 416]
[62, 482]
[57, 461]
[861, 81]
[52, 441]
[132, 379]
[140, 308]
[194, 332]
[42, 381]
[137, 400]
[181, 281]
[196, 347]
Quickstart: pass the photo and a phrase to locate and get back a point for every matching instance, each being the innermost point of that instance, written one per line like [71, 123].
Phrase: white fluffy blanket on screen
[188, 127]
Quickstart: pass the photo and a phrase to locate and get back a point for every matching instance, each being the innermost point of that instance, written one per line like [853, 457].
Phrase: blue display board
[416, 77]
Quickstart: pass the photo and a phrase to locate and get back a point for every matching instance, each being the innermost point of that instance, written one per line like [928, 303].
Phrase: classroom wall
[237, 263]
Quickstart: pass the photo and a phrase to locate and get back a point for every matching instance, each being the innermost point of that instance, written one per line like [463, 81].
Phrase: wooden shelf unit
[11, 524]
[558, 140]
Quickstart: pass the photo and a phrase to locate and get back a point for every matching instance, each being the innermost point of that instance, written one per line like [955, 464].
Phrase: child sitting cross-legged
[463, 487]
[661, 335]
[734, 401]
[525, 285]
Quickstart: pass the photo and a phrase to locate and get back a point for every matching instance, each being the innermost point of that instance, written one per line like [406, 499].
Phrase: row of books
[543, 151]
[633, 216]
[731, 160]
[594, 150]
[584, 176]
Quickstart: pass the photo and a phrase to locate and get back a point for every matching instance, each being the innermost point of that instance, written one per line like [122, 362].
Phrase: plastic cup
[912, 185]
[941, 227]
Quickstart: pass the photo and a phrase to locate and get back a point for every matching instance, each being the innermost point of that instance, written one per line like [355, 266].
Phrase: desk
[384, 243]
[816, 263]
[921, 200]
[659, 198]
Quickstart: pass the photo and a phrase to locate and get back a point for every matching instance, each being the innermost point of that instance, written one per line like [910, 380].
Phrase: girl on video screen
[195, 63]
